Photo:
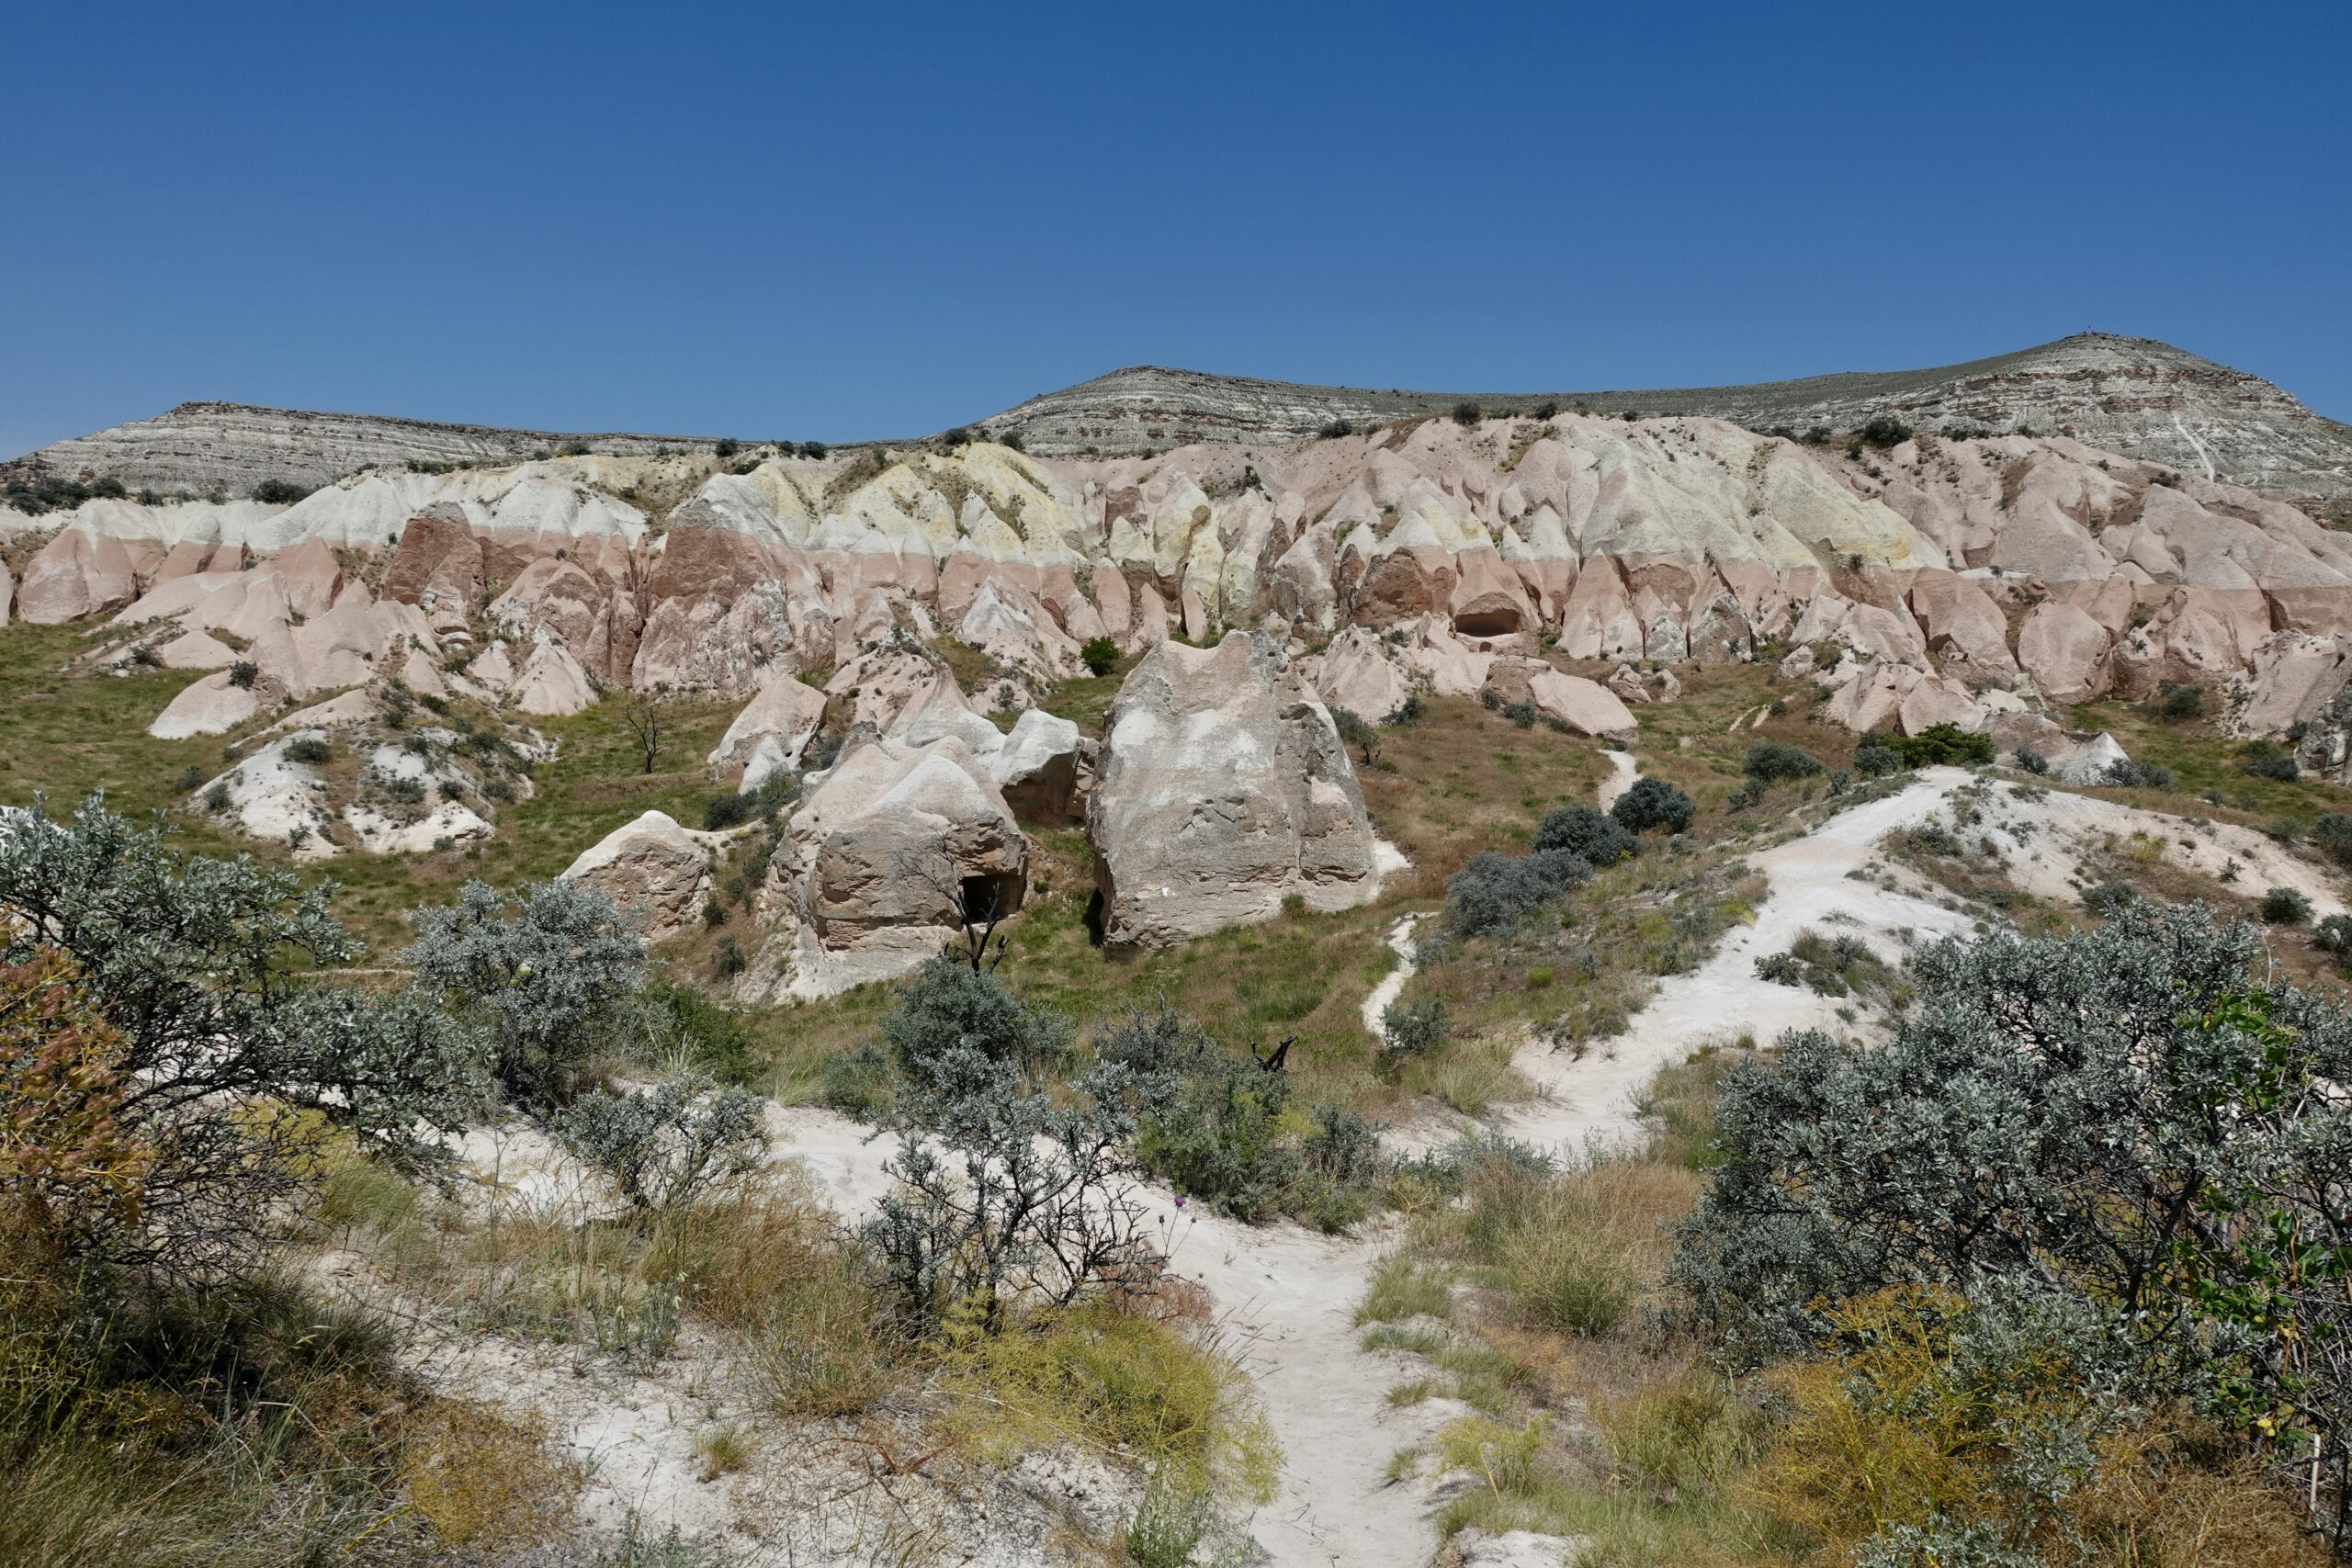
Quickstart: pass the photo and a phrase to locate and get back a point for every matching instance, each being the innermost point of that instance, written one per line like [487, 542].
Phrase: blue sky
[784, 222]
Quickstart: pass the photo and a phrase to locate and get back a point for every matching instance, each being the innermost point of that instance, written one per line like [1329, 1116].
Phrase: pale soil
[1284, 1295]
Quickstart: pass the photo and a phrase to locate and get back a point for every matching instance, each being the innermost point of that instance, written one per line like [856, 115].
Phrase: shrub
[2176, 702]
[958, 436]
[2334, 934]
[2109, 896]
[1012, 441]
[2129, 774]
[1939, 743]
[2116, 1125]
[1872, 760]
[2286, 906]
[1409, 711]
[2032, 760]
[1467, 413]
[1520, 713]
[218, 798]
[194, 962]
[280, 493]
[1885, 430]
[669, 1145]
[2332, 833]
[1546, 408]
[1354, 731]
[1653, 802]
[1494, 893]
[1413, 1028]
[1780, 969]
[308, 748]
[2264, 761]
[1768, 761]
[1334, 429]
[1100, 655]
[545, 977]
[725, 448]
[812, 449]
[407, 790]
[1589, 834]
[243, 673]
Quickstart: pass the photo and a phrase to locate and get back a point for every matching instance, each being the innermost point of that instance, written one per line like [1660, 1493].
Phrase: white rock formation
[651, 868]
[1223, 789]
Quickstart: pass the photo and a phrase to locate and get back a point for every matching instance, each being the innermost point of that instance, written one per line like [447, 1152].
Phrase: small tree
[1100, 655]
[646, 716]
[1006, 1188]
[1355, 732]
[1467, 413]
[545, 983]
[1653, 802]
[1413, 1028]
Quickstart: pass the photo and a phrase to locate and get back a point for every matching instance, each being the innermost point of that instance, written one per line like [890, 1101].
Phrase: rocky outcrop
[891, 849]
[651, 869]
[768, 736]
[1223, 789]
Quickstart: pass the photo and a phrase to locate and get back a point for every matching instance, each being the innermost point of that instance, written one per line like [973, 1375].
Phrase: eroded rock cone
[1223, 789]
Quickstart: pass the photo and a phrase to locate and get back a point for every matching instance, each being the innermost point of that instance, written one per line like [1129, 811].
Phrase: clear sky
[778, 221]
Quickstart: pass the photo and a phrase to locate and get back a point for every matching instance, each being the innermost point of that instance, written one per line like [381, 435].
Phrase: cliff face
[2130, 396]
[206, 449]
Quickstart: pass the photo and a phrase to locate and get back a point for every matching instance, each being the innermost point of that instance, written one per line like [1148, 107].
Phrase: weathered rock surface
[768, 736]
[891, 847]
[651, 868]
[1223, 789]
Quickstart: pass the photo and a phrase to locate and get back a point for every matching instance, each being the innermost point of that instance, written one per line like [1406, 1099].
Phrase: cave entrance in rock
[1487, 623]
[990, 897]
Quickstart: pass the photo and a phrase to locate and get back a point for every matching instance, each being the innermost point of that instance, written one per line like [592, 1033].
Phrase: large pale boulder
[891, 847]
[2294, 676]
[1587, 707]
[776, 727]
[213, 705]
[1036, 765]
[1223, 789]
[651, 868]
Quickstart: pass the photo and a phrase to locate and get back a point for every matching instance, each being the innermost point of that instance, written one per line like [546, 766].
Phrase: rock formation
[651, 869]
[1223, 789]
[891, 848]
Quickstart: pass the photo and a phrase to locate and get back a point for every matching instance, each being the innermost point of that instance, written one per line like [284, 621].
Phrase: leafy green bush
[2032, 760]
[1467, 413]
[1774, 762]
[2264, 761]
[2286, 906]
[1354, 731]
[1872, 760]
[669, 1145]
[242, 673]
[725, 448]
[280, 493]
[1885, 430]
[1100, 655]
[1653, 802]
[2334, 934]
[2108, 896]
[1592, 835]
[311, 749]
[2129, 774]
[1936, 744]
[1413, 1028]
[2332, 833]
[1336, 428]
[546, 976]
[2122, 1126]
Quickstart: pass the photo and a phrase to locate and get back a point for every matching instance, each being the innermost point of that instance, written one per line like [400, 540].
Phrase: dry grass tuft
[487, 1482]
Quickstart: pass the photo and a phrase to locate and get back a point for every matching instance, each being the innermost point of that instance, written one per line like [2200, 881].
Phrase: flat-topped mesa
[223, 450]
[2135, 397]
[1223, 789]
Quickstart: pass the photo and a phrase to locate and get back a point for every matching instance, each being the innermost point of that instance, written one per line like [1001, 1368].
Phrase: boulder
[1035, 767]
[1587, 707]
[782, 718]
[1223, 788]
[1632, 686]
[890, 849]
[1797, 665]
[211, 707]
[651, 868]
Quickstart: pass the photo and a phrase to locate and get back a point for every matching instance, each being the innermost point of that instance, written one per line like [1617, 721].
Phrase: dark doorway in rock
[988, 899]
[1487, 623]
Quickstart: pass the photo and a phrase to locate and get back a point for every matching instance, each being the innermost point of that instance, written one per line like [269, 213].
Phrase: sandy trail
[1287, 1294]
[1619, 782]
